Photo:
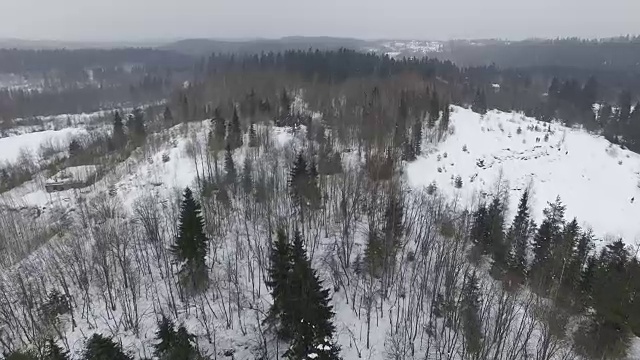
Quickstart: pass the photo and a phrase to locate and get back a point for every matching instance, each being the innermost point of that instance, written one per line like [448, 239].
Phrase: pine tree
[190, 249]
[119, 138]
[229, 167]
[470, 318]
[518, 238]
[99, 347]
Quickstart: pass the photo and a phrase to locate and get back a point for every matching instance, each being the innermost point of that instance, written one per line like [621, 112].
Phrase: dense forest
[277, 252]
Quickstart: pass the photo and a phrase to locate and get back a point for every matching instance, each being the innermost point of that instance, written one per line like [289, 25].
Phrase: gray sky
[109, 20]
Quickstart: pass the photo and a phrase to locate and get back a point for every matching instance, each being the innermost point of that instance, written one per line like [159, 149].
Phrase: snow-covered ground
[11, 147]
[584, 169]
[594, 179]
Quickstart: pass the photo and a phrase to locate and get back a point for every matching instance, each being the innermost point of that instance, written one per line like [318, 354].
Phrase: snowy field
[595, 179]
[11, 147]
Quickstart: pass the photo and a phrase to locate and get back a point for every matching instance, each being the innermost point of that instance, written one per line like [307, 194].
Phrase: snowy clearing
[11, 147]
[595, 179]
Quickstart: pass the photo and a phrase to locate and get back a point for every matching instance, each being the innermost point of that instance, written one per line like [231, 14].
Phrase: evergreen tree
[19, 355]
[479, 102]
[312, 325]
[417, 138]
[624, 108]
[280, 266]
[554, 88]
[166, 337]
[479, 228]
[74, 148]
[136, 123]
[470, 318]
[444, 122]
[547, 237]
[54, 352]
[434, 110]
[119, 138]
[190, 248]
[518, 238]
[229, 166]
[253, 136]
[234, 138]
[99, 347]
[494, 241]
[167, 115]
[247, 176]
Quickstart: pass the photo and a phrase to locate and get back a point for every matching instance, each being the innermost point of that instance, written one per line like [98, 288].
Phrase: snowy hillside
[595, 179]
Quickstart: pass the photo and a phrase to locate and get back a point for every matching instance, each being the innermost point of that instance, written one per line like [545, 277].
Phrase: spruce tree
[74, 148]
[313, 329]
[253, 136]
[494, 240]
[119, 138]
[229, 167]
[136, 124]
[54, 352]
[479, 102]
[247, 176]
[417, 138]
[235, 131]
[190, 248]
[470, 315]
[166, 337]
[518, 238]
[167, 115]
[434, 110]
[280, 266]
[99, 347]
[20, 355]
[547, 237]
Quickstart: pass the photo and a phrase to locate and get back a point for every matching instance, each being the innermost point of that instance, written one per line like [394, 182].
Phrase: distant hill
[73, 45]
[200, 47]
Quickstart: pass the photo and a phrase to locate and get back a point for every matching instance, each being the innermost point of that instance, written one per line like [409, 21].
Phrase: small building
[75, 177]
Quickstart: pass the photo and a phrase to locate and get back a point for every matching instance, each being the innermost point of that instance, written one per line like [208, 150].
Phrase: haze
[135, 20]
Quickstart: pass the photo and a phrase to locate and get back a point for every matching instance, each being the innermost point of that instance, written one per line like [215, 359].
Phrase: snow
[595, 179]
[585, 172]
[11, 147]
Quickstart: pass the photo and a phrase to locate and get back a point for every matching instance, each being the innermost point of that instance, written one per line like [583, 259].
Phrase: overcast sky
[134, 20]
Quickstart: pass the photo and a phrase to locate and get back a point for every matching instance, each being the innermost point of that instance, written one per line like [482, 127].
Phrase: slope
[598, 181]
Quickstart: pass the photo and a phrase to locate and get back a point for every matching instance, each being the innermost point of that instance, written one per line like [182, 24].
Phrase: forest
[318, 249]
